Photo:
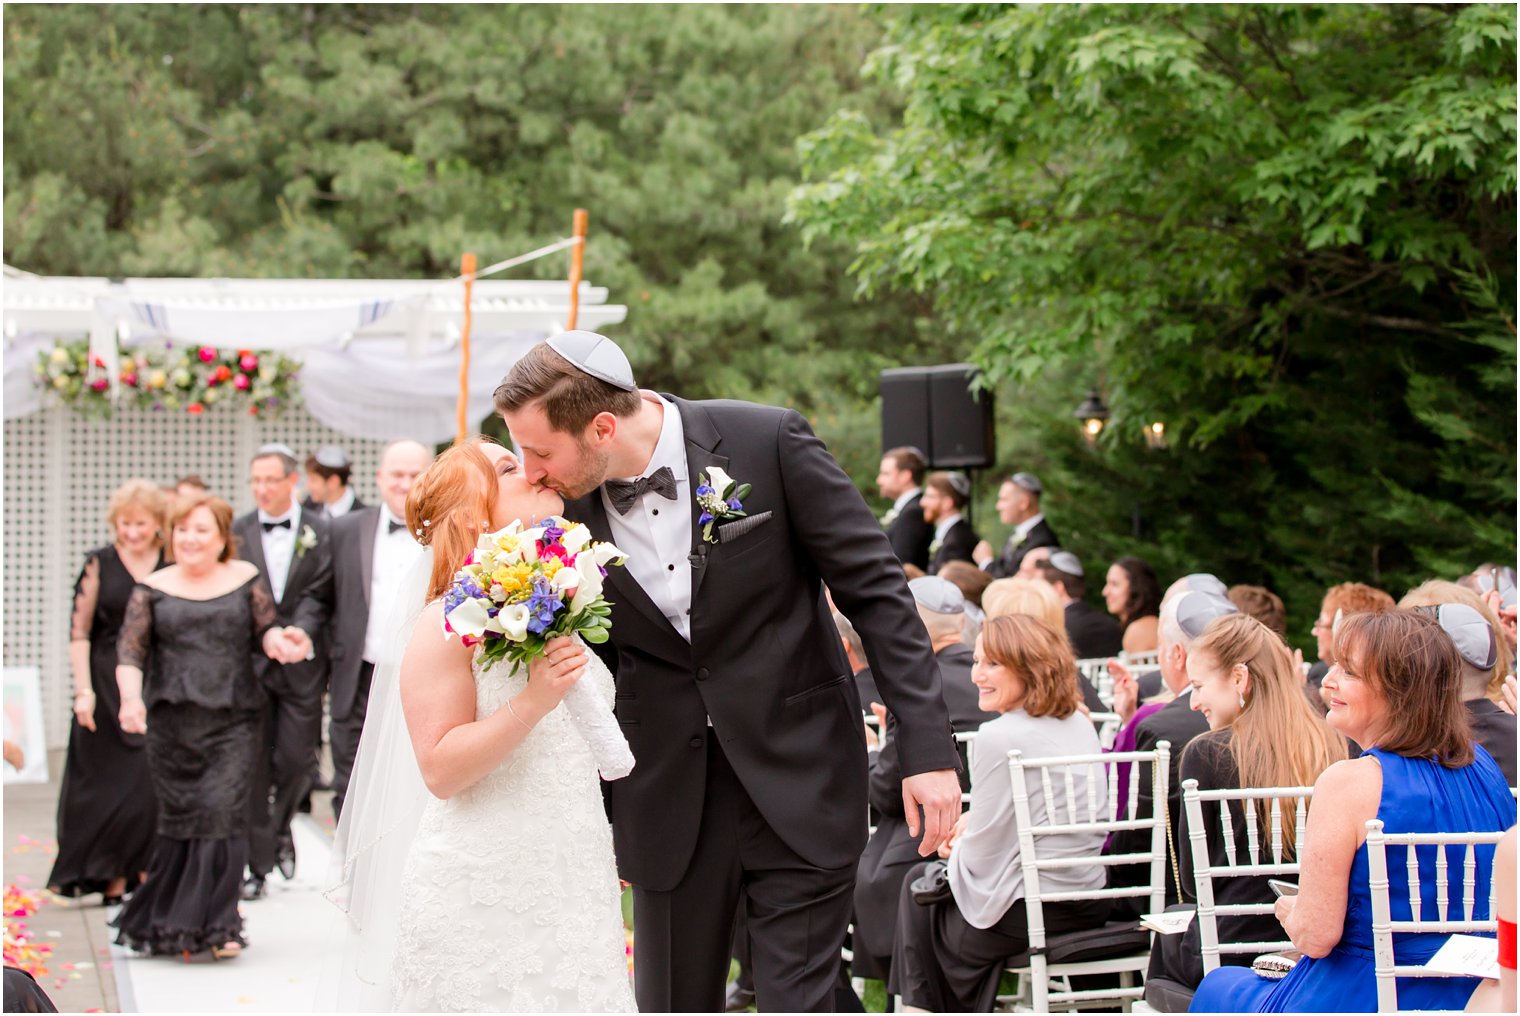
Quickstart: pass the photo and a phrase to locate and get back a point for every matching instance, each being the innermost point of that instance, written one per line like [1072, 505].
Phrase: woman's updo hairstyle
[450, 506]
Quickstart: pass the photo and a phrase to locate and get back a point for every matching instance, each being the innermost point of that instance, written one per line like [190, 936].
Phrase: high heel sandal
[112, 901]
[231, 950]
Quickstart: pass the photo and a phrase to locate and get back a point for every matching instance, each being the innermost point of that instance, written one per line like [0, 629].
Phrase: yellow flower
[59, 355]
[507, 543]
[157, 379]
[550, 565]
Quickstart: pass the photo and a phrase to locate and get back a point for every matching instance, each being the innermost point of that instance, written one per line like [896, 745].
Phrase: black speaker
[933, 409]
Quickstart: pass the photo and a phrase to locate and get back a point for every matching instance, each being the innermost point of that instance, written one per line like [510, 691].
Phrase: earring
[1242, 697]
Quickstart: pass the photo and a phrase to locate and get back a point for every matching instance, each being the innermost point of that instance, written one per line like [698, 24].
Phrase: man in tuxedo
[328, 492]
[901, 478]
[892, 850]
[732, 687]
[292, 550]
[1185, 614]
[1018, 505]
[1093, 633]
[372, 550]
[945, 495]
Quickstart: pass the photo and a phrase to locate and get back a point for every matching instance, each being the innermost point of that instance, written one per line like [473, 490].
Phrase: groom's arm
[833, 523]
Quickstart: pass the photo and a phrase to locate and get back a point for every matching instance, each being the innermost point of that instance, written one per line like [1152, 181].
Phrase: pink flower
[195, 409]
[100, 384]
[207, 354]
[241, 382]
[129, 378]
[248, 362]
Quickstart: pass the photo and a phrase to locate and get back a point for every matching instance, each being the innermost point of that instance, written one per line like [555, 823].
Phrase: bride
[477, 866]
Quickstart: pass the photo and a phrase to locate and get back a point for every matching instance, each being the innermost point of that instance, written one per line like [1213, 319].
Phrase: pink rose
[207, 354]
[100, 384]
[248, 362]
[241, 382]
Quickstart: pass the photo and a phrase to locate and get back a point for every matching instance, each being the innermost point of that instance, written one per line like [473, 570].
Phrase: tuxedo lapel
[253, 544]
[702, 441]
[296, 556]
[368, 537]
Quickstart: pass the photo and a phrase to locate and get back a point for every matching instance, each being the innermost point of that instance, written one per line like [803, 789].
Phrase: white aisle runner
[277, 972]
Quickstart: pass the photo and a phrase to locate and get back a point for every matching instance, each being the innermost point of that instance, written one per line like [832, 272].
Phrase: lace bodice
[510, 894]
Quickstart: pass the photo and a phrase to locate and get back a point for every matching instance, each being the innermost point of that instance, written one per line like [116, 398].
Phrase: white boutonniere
[934, 547]
[306, 541]
[720, 498]
[1017, 539]
[890, 517]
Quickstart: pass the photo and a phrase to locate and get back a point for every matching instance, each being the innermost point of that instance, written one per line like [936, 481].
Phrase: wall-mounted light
[1155, 434]
[1093, 414]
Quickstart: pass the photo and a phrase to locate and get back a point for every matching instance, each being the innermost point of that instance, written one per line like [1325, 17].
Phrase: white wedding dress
[509, 900]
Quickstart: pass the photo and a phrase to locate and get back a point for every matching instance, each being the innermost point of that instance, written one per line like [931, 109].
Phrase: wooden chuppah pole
[467, 271]
[577, 259]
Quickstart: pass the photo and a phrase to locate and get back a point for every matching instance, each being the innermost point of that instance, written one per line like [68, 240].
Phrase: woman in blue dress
[1397, 688]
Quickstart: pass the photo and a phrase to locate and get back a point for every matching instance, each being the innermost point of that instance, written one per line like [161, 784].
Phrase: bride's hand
[551, 675]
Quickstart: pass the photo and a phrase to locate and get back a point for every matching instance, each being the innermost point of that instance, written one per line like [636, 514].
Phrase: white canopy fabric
[380, 358]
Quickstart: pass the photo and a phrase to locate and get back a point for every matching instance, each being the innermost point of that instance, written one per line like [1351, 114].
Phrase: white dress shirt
[904, 498]
[279, 547]
[943, 526]
[342, 506]
[1022, 529]
[656, 532]
[395, 551]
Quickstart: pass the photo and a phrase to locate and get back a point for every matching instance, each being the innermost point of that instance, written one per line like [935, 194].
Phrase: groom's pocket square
[731, 531]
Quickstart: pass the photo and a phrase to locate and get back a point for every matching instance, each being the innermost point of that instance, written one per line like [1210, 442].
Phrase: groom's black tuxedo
[785, 748]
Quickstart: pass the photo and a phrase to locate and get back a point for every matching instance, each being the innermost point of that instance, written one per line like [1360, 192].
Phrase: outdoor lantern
[1093, 414]
[1155, 434]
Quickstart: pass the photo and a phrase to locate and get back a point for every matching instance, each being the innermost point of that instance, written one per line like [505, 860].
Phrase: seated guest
[972, 582]
[1343, 600]
[1184, 616]
[945, 497]
[1132, 593]
[892, 850]
[1029, 567]
[1472, 626]
[1264, 605]
[1395, 688]
[855, 652]
[1093, 634]
[1262, 733]
[1033, 597]
[948, 955]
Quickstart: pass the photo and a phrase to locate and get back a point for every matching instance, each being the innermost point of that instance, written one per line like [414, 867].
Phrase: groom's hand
[939, 794]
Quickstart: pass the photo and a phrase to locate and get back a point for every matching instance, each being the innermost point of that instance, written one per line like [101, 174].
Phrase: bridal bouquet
[518, 589]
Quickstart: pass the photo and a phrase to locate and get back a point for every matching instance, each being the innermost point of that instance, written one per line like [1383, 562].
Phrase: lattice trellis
[59, 472]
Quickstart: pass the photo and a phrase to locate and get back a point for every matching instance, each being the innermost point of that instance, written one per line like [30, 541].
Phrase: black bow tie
[282, 524]
[623, 493]
[394, 525]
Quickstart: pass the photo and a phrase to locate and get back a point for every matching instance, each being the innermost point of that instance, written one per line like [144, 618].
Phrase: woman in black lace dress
[186, 677]
[105, 802]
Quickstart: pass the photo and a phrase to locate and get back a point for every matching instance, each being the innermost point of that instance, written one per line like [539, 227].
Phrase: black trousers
[344, 736]
[795, 913]
[282, 769]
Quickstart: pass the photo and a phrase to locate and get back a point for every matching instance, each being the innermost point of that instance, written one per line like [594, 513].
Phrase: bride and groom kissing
[728, 681]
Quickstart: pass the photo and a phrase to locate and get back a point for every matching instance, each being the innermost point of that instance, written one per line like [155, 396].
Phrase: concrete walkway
[86, 973]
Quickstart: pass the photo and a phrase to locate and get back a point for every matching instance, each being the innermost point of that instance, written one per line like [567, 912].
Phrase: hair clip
[419, 532]
[427, 522]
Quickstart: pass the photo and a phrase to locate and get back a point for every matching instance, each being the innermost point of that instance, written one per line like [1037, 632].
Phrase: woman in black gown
[105, 802]
[186, 676]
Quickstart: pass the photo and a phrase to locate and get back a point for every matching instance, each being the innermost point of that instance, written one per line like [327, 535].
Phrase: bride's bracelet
[79, 694]
[526, 725]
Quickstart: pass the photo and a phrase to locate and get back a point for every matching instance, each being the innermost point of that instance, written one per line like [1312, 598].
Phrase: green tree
[1287, 231]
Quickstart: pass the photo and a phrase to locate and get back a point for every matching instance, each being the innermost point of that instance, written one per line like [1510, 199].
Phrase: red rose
[129, 378]
[223, 372]
[195, 409]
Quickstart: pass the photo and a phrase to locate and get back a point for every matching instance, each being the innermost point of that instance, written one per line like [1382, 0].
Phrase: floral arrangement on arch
[162, 377]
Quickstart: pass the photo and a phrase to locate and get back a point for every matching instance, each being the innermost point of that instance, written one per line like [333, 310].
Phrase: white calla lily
[718, 479]
[469, 618]
[576, 537]
[590, 585]
[514, 621]
[604, 554]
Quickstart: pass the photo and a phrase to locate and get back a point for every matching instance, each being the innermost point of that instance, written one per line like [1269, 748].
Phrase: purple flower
[704, 490]
[542, 606]
[704, 518]
[552, 534]
[733, 503]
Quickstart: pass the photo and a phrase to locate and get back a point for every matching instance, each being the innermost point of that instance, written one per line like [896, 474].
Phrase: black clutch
[933, 885]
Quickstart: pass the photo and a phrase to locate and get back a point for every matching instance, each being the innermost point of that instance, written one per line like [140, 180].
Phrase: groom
[732, 686]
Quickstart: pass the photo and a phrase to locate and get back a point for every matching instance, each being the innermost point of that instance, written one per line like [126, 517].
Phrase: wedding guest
[1264, 605]
[901, 478]
[1499, 995]
[1018, 505]
[860, 667]
[948, 956]
[944, 497]
[1472, 626]
[1262, 733]
[1344, 600]
[1035, 598]
[972, 582]
[1132, 593]
[328, 492]
[892, 849]
[1396, 689]
[187, 681]
[189, 486]
[1029, 567]
[105, 798]
[371, 552]
[292, 549]
[1184, 616]
[1093, 634]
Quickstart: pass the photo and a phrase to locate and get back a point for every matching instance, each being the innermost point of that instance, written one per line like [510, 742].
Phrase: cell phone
[1282, 887]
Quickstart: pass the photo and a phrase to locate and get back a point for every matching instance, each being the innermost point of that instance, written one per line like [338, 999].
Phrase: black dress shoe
[252, 889]
[287, 860]
[738, 999]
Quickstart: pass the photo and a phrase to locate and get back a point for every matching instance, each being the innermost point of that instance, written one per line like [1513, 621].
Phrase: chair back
[1095, 670]
[1149, 658]
[1453, 912]
[1266, 853]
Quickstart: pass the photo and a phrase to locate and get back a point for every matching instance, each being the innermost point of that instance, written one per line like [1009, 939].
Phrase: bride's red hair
[450, 506]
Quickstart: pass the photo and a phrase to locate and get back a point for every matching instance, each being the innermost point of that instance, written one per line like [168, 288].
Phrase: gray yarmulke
[938, 595]
[1027, 481]
[332, 457]
[276, 448]
[1066, 562]
[1203, 582]
[1473, 635]
[1196, 609]
[596, 355]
